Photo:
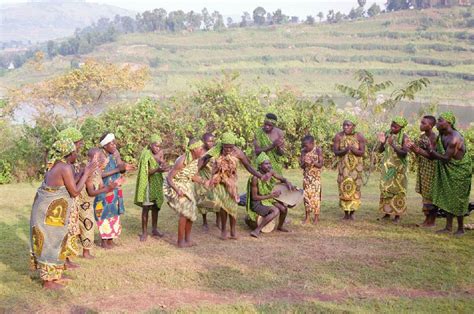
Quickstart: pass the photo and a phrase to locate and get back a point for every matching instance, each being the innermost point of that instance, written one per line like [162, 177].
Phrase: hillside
[400, 46]
[40, 21]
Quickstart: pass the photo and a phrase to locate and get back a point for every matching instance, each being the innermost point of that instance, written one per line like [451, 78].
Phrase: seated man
[261, 198]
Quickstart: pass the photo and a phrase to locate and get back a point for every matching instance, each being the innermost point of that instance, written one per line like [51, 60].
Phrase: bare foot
[190, 244]
[105, 245]
[71, 265]
[234, 237]
[305, 221]
[351, 217]
[224, 236]
[157, 233]
[459, 233]
[442, 231]
[254, 234]
[181, 244]
[396, 220]
[282, 229]
[429, 225]
[87, 255]
[143, 237]
[315, 220]
[52, 285]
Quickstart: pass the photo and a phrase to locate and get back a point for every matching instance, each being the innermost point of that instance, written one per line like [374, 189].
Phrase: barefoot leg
[181, 231]
[223, 215]
[144, 234]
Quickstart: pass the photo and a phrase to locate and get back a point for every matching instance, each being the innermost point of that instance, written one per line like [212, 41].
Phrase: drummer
[262, 197]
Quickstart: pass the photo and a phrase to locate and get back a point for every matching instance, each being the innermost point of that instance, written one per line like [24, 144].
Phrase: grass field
[399, 46]
[362, 266]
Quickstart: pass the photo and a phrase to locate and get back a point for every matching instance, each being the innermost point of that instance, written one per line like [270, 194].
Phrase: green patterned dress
[452, 183]
[393, 183]
[149, 189]
[206, 198]
[264, 141]
[425, 174]
[185, 205]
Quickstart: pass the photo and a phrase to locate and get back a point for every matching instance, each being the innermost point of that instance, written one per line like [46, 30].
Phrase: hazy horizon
[300, 8]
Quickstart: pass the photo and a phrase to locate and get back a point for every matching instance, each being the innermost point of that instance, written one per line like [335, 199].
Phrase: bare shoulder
[279, 131]
[359, 136]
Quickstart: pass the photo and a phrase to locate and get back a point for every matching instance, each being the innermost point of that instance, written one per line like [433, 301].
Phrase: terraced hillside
[401, 46]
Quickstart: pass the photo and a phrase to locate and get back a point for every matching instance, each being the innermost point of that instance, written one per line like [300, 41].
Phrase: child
[311, 161]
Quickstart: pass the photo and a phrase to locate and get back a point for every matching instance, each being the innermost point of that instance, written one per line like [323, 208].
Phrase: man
[149, 187]
[426, 168]
[270, 140]
[206, 197]
[51, 212]
[349, 147]
[108, 207]
[393, 183]
[76, 226]
[453, 173]
[224, 181]
[261, 198]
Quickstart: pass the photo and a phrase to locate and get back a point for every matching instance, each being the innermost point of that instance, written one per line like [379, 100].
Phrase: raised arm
[245, 161]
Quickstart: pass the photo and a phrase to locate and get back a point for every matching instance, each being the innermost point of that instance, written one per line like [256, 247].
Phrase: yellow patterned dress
[312, 183]
[86, 213]
[425, 174]
[349, 179]
[185, 205]
[393, 183]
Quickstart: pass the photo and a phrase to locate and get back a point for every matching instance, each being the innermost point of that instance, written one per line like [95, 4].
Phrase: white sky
[300, 8]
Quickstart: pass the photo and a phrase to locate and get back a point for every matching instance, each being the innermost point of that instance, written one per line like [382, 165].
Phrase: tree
[373, 10]
[310, 20]
[230, 22]
[356, 13]
[51, 49]
[279, 18]
[320, 16]
[207, 19]
[80, 91]
[193, 20]
[259, 16]
[246, 20]
[396, 5]
[294, 20]
[218, 21]
[362, 3]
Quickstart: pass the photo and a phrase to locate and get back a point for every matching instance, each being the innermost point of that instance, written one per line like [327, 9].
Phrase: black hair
[207, 136]
[271, 116]
[431, 118]
[307, 138]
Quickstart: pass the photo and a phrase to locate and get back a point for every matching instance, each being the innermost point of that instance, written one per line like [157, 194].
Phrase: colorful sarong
[349, 179]
[185, 205]
[149, 189]
[264, 141]
[86, 213]
[206, 198]
[109, 228]
[452, 183]
[312, 183]
[49, 231]
[393, 183]
[109, 205]
[225, 192]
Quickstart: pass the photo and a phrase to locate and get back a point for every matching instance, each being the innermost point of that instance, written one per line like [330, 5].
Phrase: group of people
[76, 195]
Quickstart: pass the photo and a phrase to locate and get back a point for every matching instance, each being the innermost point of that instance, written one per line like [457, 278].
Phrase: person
[453, 173]
[349, 148]
[108, 207]
[393, 182]
[224, 181]
[205, 197]
[149, 187]
[270, 140]
[426, 168]
[311, 161]
[50, 213]
[179, 190]
[261, 197]
[74, 226]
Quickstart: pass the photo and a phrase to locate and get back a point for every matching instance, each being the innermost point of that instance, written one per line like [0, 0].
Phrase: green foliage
[6, 175]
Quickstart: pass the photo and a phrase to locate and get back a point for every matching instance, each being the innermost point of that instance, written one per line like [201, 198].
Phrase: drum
[288, 197]
[270, 226]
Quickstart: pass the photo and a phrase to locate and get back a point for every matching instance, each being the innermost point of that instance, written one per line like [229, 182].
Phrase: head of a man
[71, 158]
[348, 127]
[269, 122]
[307, 143]
[427, 123]
[265, 166]
[209, 140]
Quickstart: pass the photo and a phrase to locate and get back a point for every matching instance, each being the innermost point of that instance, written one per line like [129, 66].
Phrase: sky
[300, 8]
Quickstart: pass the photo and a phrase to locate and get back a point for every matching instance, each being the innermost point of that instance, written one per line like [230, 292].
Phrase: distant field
[365, 266]
[398, 46]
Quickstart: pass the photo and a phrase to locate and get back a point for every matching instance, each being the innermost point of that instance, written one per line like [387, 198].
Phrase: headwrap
[59, 150]
[71, 133]
[350, 118]
[107, 139]
[449, 117]
[262, 158]
[190, 148]
[401, 121]
[273, 121]
[229, 138]
[155, 138]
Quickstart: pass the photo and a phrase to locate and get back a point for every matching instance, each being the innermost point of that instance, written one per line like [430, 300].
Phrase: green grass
[364, 266]
[399, 46]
